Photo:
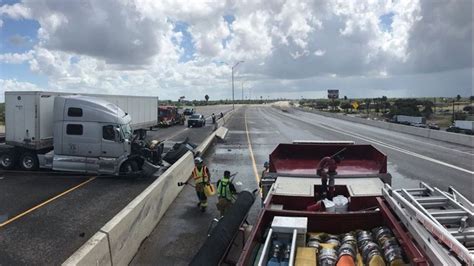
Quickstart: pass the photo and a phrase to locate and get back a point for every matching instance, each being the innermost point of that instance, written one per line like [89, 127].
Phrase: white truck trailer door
[20, 117]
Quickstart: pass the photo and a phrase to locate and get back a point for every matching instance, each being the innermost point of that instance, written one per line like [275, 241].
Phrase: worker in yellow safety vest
[201, 177]
[225, 192]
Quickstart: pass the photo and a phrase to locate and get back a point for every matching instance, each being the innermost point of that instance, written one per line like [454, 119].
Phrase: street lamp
[233, 67]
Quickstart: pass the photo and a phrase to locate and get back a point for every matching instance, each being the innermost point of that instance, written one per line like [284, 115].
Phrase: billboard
[333, 94]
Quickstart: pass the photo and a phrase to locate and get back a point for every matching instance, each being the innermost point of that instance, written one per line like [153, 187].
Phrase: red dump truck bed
[291, 186]
[302, 159]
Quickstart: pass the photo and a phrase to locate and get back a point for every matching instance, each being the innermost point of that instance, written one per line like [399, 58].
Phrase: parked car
[419, 125]
[188, 111]
[433, 126]
[196, 120]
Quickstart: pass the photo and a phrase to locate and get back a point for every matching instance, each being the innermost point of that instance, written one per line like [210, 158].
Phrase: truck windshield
[163, 112]
[127, 131]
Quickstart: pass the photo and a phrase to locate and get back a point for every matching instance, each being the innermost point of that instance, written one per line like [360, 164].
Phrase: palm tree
[207, 98]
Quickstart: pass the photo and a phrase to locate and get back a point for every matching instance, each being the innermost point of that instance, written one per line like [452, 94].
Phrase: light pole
[233, 67]
[243, 90]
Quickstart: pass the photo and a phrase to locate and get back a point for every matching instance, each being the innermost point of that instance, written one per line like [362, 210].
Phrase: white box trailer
[464, 124]
[410, 119]
[29, 115]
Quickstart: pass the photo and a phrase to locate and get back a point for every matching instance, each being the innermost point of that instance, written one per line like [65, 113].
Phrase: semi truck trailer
[462, 126]
[79, 133]
[409, 120]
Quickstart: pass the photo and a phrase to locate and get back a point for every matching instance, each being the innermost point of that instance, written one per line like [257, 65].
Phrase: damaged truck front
[73, 133]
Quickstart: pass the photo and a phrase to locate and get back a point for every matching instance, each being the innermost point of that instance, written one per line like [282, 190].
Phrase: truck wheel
[29, 161]
[129, 167]
[7, 161]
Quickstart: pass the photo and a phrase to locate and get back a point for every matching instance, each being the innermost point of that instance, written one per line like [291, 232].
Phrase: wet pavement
[183, 228]
[410, 160]
[52, 232]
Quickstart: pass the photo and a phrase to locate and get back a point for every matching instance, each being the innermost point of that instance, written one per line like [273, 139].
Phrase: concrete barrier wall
[226, 118]
[94, 252]
[126, 231]
[417, 131]
[201, 149]
[118, 241]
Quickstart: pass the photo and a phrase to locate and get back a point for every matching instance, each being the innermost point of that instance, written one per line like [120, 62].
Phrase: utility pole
[233, 67]
[453, 110]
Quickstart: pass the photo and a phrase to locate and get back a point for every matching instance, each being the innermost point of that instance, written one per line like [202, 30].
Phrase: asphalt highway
[45, 217]
[255, 131]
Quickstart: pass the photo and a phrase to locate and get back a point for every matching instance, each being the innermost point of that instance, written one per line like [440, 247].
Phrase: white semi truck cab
[89, 135]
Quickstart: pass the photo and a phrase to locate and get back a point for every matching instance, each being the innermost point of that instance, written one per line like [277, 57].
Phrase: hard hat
[198, 160]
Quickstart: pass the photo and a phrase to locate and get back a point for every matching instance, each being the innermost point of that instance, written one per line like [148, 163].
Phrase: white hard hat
[197, 160]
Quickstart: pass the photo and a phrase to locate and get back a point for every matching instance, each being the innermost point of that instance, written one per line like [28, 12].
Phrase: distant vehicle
[188, 111]
[433, 126]
[419, 125]
[196, 120]
[462, 126]
[169, 115]
[409, 120]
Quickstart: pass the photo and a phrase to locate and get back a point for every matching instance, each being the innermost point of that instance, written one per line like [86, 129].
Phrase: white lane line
[400, 150]
[363, 126]
[354, 135]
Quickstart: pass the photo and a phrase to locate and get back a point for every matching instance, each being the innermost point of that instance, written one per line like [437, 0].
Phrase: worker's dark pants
[201, 195]
[223, 205]
[324, 185]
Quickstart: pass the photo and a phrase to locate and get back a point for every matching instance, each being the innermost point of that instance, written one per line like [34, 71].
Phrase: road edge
[119, 239]
[454, 138]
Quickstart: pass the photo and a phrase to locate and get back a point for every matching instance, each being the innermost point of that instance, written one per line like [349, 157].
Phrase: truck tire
[7, 161]
[129, 167]
[29, 161]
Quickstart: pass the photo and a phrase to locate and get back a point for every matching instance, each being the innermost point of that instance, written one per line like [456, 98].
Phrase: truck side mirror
[118, 135]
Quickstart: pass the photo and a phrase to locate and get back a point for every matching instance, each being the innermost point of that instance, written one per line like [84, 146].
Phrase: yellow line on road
[255, 171]
[46, 202]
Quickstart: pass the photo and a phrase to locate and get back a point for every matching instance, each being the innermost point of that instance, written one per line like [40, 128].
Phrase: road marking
[46, 202]
[401, 150]
[416, 140]
[177, 133]
[355, 135]
[254, 165]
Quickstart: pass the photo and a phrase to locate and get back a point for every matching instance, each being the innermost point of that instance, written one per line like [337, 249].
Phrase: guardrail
[118, 241]
[455, 138]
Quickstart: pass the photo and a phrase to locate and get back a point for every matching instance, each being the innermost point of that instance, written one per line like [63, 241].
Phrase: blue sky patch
[187, 43]
[12, 30]
[229, 19]
[386, 21]
[22, 72]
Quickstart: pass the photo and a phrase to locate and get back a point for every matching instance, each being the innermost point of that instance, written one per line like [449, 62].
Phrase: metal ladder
[447, 216]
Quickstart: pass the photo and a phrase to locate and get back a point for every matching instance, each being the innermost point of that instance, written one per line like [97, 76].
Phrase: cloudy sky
[172, 48]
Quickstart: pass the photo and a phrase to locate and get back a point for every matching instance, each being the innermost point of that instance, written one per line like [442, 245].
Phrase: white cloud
[16, 58]
[15, 85]
[15, 11]
[319, 52]
[130, 46]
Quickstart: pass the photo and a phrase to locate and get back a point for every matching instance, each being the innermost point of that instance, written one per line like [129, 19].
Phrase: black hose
[222, 235]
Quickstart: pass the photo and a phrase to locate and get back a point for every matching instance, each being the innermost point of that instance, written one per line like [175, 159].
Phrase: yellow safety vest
[200, 176]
